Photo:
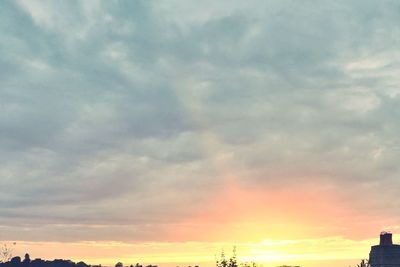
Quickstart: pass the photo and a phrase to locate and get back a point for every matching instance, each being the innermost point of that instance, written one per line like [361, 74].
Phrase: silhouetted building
[386, 254]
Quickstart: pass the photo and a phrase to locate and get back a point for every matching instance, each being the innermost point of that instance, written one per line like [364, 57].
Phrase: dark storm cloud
[117, 112]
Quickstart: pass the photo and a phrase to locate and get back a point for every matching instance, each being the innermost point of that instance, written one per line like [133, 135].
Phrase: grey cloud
[108, 109]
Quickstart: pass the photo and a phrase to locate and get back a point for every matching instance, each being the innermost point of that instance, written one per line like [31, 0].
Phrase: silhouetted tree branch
[232, 261]
[364, 263]
[6, 253]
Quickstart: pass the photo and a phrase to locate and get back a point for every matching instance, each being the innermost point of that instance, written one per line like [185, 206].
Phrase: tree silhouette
[5, 253]
[27, 259]
[364, 263]
[231, 262]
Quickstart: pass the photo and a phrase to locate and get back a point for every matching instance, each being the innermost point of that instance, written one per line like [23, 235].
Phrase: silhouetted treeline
[27, 262]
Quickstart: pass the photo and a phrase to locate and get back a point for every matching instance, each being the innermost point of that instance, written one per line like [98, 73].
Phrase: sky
[168, 131]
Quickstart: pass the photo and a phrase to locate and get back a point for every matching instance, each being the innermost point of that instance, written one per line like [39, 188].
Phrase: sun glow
[283, 227]
[270, 252]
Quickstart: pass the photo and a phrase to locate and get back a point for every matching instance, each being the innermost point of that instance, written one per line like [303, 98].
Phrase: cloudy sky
[164, 131]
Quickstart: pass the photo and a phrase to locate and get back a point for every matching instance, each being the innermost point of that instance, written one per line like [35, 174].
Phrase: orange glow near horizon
[240, 215]
[286, 226]
[267, 252]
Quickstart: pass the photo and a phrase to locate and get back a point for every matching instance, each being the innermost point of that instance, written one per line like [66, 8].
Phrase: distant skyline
[166, 131]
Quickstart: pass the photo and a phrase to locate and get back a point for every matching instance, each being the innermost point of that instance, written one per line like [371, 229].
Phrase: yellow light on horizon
[270, 252]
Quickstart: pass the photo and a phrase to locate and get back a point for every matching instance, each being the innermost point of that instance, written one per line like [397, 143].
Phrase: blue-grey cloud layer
[127, 112]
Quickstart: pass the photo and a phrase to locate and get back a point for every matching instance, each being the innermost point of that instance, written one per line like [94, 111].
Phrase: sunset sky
[167, 131]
